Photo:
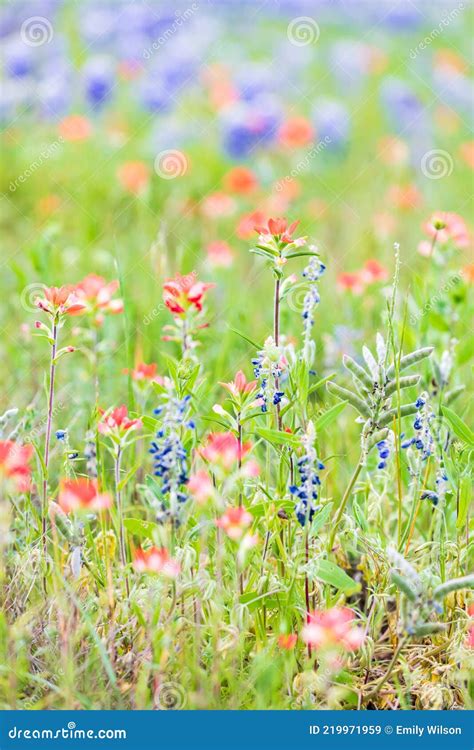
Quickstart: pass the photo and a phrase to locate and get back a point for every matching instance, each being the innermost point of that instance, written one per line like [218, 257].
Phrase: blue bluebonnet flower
[309, 466]
[99, 80]
[268, 366]
[313, 272]
[332, 123]
[90, 454]
[61, 435]
[169, 454]
[423, 441]
[441, 483]
[248, 125]
[383, 450]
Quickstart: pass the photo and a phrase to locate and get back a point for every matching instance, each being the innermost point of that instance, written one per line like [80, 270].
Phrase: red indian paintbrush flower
[117, 421]
[223, 449]
[234, 522]
[156, 560]
[240, 180]
[143, 372]
[200, 486]
[96, 294]
[14, 464]
[333, 628]
[184, 292]
[287, 641]
[239, 384]
[60, 301]
[443, 227]
[279, 229]
[82, 494]
[134, 177]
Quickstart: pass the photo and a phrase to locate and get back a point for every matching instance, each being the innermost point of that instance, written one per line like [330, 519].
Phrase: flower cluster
[169, 453]
[184, 292]
[442, 484]
[309, 467]
[384, 448]
[117, 423]
[313, 272]
[269, 365]
[423, 441]
[277, 244]
[59, 301]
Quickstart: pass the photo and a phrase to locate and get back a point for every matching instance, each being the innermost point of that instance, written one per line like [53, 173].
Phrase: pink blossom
[239, 384]
[220, 254]
[234, 522]
[82, 494]
[333, 628]
[156, 560]
[200, 486]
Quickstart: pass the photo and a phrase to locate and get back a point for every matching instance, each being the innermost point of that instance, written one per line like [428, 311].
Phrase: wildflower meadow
[237, 306]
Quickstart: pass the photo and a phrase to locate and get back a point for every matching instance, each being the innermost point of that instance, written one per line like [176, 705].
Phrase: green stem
[343, 504]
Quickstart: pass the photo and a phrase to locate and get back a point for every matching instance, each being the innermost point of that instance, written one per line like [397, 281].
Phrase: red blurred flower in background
[234, 522]
[333, 628]
[82, 494]
[134, 177]
[223, 449]
[156, 560]
[15, 464]
[240, 180]
[96, 294]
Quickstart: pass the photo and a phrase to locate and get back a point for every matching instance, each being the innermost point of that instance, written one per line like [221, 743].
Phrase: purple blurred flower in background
[332, 122]
[246, 126]
[99, 80]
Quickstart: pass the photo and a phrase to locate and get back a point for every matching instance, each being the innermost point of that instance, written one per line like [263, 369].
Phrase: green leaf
[140, 528]
[320, 519]
[128, 476]
[454, 584]
[300, 253]
[461, 429]
[253, 600]
[246, 338]
[345, 395]
[463, 503]
[320, 383]
[149, 423]
[329, 416]
[330, 573]
[280, 438]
